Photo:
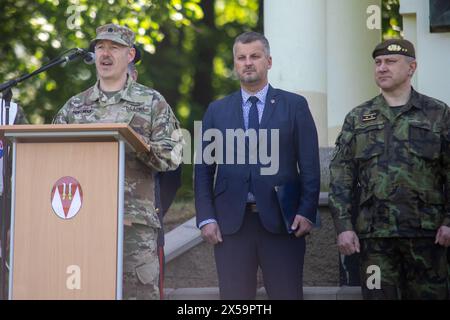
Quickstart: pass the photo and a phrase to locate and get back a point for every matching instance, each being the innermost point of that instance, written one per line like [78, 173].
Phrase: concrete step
[181, 239]
[309, 293]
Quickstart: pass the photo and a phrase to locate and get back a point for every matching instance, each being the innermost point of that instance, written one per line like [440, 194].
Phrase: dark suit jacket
[298, 146]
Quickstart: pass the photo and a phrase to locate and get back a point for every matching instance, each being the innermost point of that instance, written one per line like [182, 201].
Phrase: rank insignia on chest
[369, 116]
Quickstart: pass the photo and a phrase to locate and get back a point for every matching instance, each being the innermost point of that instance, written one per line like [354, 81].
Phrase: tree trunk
[205, 51]
[260, 25]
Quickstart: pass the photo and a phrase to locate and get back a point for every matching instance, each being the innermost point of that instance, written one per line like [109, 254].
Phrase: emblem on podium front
[66, 197]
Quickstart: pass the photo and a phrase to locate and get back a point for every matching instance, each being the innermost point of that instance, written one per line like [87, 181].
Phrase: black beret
[394, 46]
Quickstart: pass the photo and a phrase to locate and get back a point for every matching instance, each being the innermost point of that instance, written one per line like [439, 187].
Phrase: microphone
[89, 58]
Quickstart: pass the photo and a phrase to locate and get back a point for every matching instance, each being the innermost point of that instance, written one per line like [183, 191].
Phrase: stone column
[296, 30]
[322, 50]
[350, 43]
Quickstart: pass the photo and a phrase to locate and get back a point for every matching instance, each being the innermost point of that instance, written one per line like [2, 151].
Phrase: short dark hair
[252, 36]
[132, 66]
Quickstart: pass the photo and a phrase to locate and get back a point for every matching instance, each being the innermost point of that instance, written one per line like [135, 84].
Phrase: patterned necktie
[253, 123]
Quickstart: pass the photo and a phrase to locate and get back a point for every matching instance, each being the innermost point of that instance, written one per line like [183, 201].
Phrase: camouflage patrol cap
[116, 33]
[394, 46]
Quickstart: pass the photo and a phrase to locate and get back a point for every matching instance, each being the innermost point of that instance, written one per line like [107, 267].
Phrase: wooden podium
[67, 202]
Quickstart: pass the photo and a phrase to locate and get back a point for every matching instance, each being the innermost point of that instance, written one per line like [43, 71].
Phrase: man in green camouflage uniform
[394, 152]
[116, 97]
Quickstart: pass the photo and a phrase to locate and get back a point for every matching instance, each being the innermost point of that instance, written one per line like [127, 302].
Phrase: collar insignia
[369, 116]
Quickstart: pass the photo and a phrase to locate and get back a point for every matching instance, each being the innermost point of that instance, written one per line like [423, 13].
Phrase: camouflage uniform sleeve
[61, 116]
[20, 117]
[342, 178]
[165, 139]
[446, 164]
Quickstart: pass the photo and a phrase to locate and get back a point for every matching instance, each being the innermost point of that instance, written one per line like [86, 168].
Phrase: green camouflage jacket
[155, 122]
[397, 167]
[20, 117]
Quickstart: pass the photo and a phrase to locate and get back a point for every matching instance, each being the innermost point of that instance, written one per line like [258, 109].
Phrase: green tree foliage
[185, 47]
[392, 20]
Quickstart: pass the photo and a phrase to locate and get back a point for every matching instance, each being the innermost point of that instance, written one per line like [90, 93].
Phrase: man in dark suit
[241, 215]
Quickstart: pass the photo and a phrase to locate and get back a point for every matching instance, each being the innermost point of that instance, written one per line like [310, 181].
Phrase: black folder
[288, 195]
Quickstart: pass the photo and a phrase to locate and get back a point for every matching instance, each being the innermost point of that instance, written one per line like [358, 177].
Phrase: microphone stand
[7, 96]
[78, 53]
[5, 88]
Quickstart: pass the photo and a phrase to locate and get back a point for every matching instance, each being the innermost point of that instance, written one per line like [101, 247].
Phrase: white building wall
[432, 50]
[322, 50]
[296, 30]
[349, 59]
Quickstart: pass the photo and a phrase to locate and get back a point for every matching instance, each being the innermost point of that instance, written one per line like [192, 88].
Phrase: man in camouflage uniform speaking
[116, 97]
[394, 153]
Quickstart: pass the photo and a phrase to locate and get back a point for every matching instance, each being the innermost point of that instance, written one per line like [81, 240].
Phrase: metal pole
[4, 219]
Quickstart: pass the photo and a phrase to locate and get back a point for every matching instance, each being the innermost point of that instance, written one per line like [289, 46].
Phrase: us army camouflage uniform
[400, 166]
[153, 119]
